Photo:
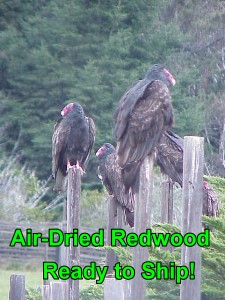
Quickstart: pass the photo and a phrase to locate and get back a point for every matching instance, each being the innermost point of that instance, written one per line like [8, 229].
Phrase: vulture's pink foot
[77, 166]
[80, 168]
[69, 166]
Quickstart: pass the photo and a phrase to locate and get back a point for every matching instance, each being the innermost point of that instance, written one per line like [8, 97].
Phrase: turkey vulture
[210, 203]
[142, 115]
[72, 141]
[169, 157]
[110, 174]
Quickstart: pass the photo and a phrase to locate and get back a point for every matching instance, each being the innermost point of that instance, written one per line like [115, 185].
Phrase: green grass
[33, 279]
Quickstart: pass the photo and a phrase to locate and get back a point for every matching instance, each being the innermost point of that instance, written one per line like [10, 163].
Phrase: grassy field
[33, 280]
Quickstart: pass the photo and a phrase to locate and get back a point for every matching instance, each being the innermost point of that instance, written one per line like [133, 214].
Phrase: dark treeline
[54, 52]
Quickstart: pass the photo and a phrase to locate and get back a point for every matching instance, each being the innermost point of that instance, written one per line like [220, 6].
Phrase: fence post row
[167, 207]
[142, 221]
[192, 222]
[73, 221]
[192, 211]
[167, 202]
[17, 287]
[111, 257]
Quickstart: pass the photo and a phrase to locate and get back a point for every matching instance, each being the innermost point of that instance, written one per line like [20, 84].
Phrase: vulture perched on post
[169, 157]
[110, 174]
[210, 201]
[142, 115]
[72, 141]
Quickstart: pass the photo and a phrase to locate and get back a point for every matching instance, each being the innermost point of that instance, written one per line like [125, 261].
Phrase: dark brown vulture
[110, 174]
[143, 114]
[210, 203]
[72, 141]
[169, 157]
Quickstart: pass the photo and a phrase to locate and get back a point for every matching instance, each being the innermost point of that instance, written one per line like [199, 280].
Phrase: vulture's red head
[67, 109]
[106, 148]
[206, 185]
[169, 76]
[158, 72]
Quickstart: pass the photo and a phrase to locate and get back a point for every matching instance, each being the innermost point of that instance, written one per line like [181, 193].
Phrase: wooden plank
[170, 203]
[167, 206]
[192, 211]
[73, 221]
[142, 221]
[111, 257]
[46, 258]
[17, 287]
[21, 254]
[63, 249]
[58, 291]
[46, 292]
[84, 258]
[167, 202]
[25, 225]
[119, 217]
[7, 227]
[116, 289]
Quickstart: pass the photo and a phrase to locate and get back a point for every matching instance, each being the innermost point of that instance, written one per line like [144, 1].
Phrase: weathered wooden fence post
[192, 212]
[114, 289]
[46, 292]
[17, 287]
[167, 202]
[119, 217]
[142, 221]
[167, 206]
[46, 282]
[63, 226]
[63, 249]
[111, 257]
[58, 291]
[73, 222]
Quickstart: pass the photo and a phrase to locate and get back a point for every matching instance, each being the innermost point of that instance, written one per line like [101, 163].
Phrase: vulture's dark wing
[170, 160]
[175, 138]
[145, 124]
[59, 144]
[210, 201]
[92, 133]
[114, 177]
[127, 104]
[112, 180]
[170, 156]
[59, 141]
[139, 130]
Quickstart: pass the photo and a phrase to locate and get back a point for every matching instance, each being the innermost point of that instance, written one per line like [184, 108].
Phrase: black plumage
[210, 201]
[110, 174]
[169, 157]
[142, 115]
[72, 141]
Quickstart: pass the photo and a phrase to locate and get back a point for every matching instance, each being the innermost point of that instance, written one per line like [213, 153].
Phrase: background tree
[50, 55]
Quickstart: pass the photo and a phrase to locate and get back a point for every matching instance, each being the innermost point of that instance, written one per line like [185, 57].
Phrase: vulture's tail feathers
[60, 182]
[129, 217]
[131, 174]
